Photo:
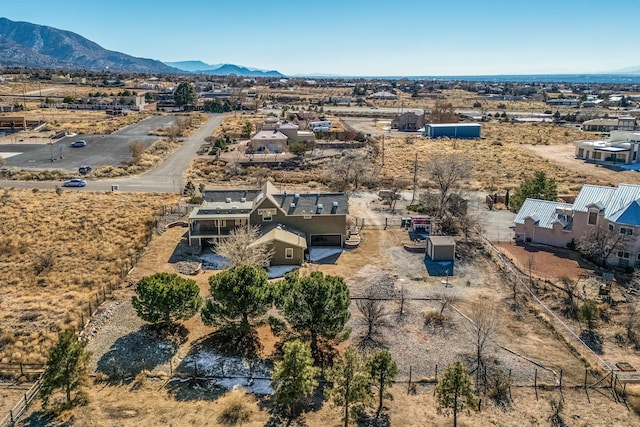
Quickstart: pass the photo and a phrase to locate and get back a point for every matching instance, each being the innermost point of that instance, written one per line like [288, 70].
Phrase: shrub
[235, 409]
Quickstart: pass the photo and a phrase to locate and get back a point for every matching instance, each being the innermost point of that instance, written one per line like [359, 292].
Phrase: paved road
[101, 150]
[166, 178]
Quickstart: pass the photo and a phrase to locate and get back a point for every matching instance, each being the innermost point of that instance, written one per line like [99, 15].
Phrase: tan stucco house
[614, 209]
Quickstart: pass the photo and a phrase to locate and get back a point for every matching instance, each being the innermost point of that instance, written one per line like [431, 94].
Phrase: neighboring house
[452, 130]
[289, 223]
[622, 147]
[274, 136]
[383, 95]
[625, 123]
[614, 209]
[408, 122]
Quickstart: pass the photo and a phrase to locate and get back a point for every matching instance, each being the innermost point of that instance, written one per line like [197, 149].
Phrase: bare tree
[446, 300]
[570, 300]
[375, 318]
[240, 247]
[631, 325]
[443, 112]
[485, 323]
[448, 171]
[468, 223]
[348, 170]
[598, 243]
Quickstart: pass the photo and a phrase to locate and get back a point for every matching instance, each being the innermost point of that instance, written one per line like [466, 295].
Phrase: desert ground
[137, 378]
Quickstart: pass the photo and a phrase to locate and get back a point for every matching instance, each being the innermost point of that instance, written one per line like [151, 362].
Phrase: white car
[75, 183]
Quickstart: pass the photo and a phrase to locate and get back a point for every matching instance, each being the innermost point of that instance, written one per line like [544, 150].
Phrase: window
[288, 253]
[580, 152]
[219, 222]
[622, 254]
[611, 227]
[240, 222]
[266, 217]
[627, 231]
[593, 218]
[597, 155]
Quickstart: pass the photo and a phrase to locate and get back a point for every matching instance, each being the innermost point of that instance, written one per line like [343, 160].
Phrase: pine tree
[165, 297]
[240, 293]
[455, 391]
[383, 370]
[316, 306]
[66, 366]
[350, 380]
[293, 378]
[536, 187]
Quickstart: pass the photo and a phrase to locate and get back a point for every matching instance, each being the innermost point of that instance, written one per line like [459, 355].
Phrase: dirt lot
[120, 341]
[565, 156]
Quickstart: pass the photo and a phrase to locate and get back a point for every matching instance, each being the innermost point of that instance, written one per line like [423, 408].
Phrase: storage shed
[452, 130]
[441, 248]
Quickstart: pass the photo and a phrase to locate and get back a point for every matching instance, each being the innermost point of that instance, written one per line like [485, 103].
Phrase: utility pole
[382, 149]
[415, 178]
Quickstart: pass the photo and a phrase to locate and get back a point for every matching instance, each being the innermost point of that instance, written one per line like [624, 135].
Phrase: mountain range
[23, 44]
[200, 67]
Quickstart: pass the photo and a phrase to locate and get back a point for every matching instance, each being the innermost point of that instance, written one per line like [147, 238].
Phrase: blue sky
[372, 38]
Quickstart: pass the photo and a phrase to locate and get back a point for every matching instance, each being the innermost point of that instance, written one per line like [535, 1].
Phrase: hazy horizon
[376, 38]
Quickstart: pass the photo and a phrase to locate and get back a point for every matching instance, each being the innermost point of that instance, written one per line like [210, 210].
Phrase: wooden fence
[12, 370]
[21, 407]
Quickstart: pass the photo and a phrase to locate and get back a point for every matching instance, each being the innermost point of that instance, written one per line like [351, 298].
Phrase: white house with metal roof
[622, 147]
[615, 209]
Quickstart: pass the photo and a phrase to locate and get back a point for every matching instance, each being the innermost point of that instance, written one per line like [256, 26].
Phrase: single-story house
[621, 147]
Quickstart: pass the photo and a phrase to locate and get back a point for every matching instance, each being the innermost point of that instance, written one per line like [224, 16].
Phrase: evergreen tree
[185, 95]
[455, 391]
[166, 298]
[316, 306]
[239, 294]
[293, 378]
[66, 366]
[383, 370]
[536, 187]
[350, 382]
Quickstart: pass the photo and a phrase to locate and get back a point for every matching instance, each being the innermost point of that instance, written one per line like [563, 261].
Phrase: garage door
[326, 240]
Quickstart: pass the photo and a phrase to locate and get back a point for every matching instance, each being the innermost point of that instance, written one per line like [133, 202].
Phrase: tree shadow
[226, 358]
[40, 419]
[145, 349]
[232, 341]
[593, 340]
[369, 420]
[184, 252]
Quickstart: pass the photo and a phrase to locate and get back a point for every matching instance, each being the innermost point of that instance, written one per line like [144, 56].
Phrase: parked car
[79, 143]
[84, 169]
[75, 183]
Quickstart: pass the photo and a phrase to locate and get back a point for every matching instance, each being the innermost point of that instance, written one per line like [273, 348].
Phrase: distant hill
[630, 70]
[23, 44]
[222, 69]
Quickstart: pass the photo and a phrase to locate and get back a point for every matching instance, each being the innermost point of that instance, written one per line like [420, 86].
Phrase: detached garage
[452, 130]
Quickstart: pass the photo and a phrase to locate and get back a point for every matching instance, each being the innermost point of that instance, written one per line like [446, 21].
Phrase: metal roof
[447, 125]
[629, 215]
[543, 212]
[591, 194]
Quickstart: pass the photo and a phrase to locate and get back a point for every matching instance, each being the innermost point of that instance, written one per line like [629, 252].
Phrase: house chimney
[227, 200]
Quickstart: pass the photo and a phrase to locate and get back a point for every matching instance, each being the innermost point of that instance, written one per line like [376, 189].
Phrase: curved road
[165, 178]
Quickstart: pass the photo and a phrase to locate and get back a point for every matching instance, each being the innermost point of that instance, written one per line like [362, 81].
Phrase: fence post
[11, 416]
[434, 389]
[510, 397]
[21, 372]
[535, 383]
[90, 313]
[585, 385]
[409, 386]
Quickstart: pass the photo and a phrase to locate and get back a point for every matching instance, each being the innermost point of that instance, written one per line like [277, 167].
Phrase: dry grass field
[57, 251]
